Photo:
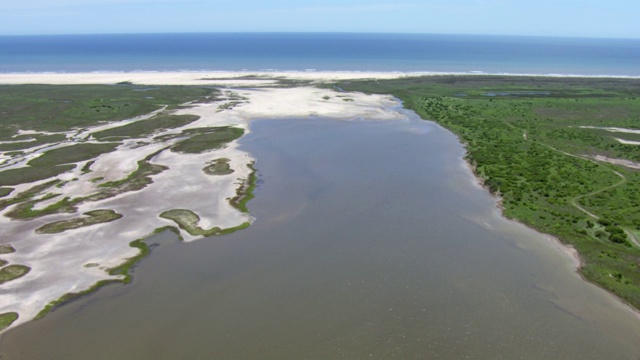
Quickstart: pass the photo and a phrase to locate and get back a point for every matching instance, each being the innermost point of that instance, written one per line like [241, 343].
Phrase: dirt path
[575, 200]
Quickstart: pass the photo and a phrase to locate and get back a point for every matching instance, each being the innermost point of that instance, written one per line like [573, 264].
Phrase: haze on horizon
[570, 18]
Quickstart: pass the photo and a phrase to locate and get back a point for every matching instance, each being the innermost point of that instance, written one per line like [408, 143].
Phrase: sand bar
[217, 78]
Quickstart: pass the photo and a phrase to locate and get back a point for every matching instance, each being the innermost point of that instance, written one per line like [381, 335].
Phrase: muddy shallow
[371, 240]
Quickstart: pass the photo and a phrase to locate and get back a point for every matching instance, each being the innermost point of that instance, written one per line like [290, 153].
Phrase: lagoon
[372, 239]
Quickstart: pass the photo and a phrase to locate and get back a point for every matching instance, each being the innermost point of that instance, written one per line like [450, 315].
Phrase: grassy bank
[534, 142]
[188, 221]
[244, 193]
[218, 167]
[6, 319]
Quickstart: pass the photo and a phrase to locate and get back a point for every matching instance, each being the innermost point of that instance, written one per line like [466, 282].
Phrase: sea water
[320, 52]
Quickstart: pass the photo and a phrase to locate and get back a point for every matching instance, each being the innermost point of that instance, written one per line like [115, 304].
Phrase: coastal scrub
[90, 218]
[12, 272]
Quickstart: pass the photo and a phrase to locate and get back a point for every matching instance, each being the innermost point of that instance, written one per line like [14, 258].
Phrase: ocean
[320, 52]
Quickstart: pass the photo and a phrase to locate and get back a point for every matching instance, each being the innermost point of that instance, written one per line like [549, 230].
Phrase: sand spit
[214, 78]
[74, 260]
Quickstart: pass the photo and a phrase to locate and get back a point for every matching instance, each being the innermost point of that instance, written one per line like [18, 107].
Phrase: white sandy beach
[236, 79]
[217, 78]
[74, 260]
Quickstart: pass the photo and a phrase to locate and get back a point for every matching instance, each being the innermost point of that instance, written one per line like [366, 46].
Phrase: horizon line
[323, 32]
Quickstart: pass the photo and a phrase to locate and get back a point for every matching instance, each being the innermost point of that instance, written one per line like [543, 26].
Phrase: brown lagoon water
[372, 241]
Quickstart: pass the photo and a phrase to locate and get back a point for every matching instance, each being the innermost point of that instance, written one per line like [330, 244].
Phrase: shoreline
[242, 78]
[567, 249]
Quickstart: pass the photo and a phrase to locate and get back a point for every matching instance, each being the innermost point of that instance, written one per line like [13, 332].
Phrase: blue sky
[583, 18]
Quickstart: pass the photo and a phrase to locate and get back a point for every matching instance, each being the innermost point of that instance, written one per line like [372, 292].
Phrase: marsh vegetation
[218, 167]
[6, 319]
[189, 221]
[90, 218]
[12, 272]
